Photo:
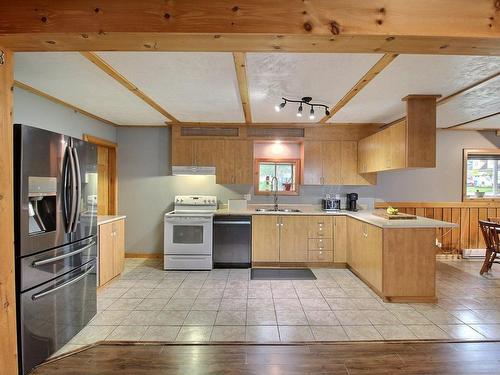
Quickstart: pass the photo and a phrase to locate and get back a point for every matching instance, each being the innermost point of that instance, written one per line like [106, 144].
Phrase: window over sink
[481, 174]
[285, 170]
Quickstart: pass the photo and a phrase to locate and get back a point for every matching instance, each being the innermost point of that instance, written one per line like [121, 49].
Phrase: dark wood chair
[491, 231]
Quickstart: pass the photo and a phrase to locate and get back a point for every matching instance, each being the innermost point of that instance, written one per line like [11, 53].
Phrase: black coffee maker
[351, 202]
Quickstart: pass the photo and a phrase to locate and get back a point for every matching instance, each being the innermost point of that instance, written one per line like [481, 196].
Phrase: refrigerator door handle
[59, 257]
[78, 189]
[72, 281]
[69, 183]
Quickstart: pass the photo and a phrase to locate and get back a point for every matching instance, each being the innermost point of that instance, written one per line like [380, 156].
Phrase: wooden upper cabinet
[333, 163]
[182, 152]
[313, 163]
[409, 143]
[349, 166]
[236, 166]
[332, 154]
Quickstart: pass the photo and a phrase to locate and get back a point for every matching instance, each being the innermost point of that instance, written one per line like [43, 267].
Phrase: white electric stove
[188, 233]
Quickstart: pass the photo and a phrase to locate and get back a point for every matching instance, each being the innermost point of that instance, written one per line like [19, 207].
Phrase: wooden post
[8, 339]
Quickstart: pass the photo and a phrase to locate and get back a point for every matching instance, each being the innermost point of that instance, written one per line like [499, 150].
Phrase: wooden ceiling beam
[467, 89]
[113, 73]
[241, 75]
[371, 74]
[372, 26]
[31, 89]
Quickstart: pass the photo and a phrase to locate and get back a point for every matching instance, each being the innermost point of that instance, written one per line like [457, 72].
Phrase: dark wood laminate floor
[341, 358]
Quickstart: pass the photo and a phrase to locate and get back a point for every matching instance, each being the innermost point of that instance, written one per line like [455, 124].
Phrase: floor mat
[282, 274]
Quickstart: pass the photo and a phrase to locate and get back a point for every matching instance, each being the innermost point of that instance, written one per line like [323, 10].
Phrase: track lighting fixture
[305, 100]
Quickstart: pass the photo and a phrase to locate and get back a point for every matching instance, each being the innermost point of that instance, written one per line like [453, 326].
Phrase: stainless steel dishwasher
[232, 237]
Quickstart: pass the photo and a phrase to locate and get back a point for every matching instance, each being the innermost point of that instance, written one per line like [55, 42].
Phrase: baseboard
[448, 256]
[144, 255]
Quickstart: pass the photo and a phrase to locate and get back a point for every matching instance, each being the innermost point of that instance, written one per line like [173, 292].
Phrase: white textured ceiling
[325, 77]
[192, 86]
[492, 122]
[70, 77]
[380, 100]
[202, 87]
[479, 102]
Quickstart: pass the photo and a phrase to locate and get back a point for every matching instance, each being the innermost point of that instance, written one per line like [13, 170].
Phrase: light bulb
[311, 114]
[327, 112]
[277, 108]
[299, 112]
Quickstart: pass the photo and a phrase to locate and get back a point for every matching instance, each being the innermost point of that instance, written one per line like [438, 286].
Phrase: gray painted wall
[33, 110]
[146, 191]
[443, 183]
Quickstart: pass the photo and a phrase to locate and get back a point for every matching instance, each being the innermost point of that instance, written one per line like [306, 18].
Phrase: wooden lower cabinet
[111, 250]
[340, 239]
[265, 238]
[398, 264]
[292, 239]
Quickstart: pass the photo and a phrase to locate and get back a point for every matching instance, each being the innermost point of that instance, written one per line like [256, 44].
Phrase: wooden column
[8, 339]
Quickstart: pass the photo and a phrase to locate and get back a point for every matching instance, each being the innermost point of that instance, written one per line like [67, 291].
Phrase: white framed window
[481, 174]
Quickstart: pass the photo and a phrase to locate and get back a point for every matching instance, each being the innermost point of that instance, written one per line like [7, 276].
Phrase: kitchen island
[395, 258]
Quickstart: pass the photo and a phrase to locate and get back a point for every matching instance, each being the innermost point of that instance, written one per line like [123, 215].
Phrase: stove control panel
[195, 200]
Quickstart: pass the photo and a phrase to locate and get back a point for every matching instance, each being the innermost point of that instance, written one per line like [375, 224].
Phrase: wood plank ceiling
[157, 88]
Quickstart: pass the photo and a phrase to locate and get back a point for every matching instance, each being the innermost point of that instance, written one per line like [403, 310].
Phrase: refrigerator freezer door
[54, 312]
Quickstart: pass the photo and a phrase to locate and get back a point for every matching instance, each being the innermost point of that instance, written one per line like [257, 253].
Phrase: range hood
[187, 170]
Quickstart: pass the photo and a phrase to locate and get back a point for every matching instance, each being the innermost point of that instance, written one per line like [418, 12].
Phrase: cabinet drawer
[320, 226]
[320, 256]
[320, 244]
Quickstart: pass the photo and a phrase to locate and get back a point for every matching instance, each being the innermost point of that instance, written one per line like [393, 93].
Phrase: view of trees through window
[483, 176]
[284, 171]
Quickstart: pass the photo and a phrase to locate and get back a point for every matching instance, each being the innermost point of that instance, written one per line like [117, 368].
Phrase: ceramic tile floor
[149, 304]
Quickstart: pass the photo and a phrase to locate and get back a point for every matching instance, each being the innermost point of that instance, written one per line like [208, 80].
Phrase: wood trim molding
[8, 331]
[484, 204]
[469, 88]
[26, 87]
[113, 73]
[112, 170]
[241, 75]
[144, 255]
[471, 121]
[99, 141]
[370, 75]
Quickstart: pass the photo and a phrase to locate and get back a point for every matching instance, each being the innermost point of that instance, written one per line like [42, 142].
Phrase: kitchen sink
[278, 210]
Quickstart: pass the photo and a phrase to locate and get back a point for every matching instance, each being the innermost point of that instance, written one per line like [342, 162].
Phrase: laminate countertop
[366, 216]
[104, 219]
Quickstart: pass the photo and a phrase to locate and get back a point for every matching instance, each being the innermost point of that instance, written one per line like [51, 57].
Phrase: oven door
[188, 235]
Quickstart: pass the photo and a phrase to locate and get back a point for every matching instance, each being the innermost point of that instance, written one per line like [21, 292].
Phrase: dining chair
[490, 230]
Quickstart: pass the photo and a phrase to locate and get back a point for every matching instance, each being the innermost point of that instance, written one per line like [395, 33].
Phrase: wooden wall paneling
[429, 213]
[492, 212]
[8, 334]
[446, 231]
[438, 215]
[473, 228]
[455, 232]
[483, 215]
[464, 228]
[420, 211]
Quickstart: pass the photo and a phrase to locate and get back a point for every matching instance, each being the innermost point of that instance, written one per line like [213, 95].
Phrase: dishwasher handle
[242, 222]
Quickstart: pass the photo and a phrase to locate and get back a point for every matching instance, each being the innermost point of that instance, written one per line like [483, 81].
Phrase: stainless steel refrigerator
[55, 211]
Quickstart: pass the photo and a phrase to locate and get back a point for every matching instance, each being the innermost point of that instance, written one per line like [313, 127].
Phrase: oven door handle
[59, 257]
[72, 281]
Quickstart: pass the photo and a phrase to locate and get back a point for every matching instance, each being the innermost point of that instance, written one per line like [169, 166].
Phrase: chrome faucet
[274, 182]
